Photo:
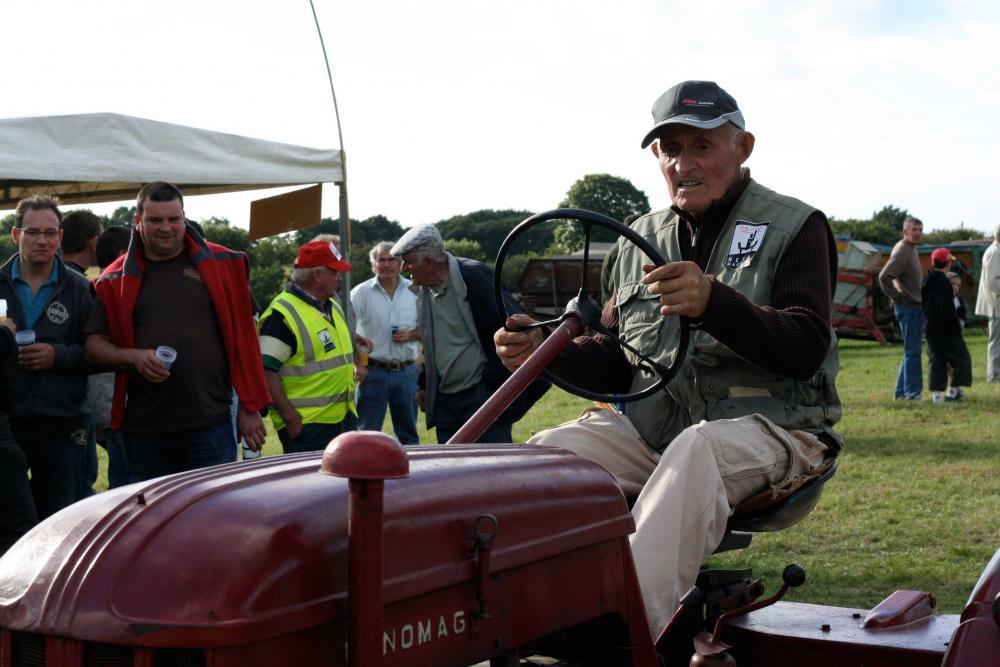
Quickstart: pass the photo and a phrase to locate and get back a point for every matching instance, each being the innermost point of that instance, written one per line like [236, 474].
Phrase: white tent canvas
[106, 157]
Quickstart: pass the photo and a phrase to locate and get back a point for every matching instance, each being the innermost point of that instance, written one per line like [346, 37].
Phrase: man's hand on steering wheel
[514, 347]
[683, 288]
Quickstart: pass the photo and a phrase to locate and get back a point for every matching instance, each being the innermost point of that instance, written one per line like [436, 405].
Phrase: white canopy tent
[105, 157]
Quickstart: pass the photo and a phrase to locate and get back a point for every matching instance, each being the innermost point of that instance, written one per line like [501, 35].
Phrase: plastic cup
[167, 355]
[363, 355]
[25, 337]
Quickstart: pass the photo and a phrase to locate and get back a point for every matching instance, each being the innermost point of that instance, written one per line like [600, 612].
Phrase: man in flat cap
[308, 353]
[457, 315]
[754, 403]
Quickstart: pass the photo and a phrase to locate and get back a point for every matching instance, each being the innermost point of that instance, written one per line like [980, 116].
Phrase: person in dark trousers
[18, 515]
[457, 315]
[81, 229]
[112, 244]
[44, 295]
[943, 330]
[172, 288]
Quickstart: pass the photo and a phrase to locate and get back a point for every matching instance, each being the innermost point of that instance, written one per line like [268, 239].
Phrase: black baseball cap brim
[695, 120]
[701, 104]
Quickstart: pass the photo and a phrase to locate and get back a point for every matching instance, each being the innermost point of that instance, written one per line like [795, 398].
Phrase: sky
[450, 106]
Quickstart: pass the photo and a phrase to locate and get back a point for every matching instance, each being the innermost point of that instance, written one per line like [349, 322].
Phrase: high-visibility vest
[319, 378]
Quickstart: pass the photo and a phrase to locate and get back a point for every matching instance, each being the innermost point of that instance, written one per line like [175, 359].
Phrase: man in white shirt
[988, 305]
[386, 313]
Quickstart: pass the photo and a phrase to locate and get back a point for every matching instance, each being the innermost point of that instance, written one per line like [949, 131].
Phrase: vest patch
[746, 242]
[192, 273]
[327, 340]
[57, 313]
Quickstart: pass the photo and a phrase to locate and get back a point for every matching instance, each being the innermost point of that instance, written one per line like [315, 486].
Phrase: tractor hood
[245, 551]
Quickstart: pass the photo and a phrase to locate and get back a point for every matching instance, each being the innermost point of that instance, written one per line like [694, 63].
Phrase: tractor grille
[178, 657]
[107, 655]
[28, 650]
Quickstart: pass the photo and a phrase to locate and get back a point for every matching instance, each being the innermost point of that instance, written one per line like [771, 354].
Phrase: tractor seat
[776, 509]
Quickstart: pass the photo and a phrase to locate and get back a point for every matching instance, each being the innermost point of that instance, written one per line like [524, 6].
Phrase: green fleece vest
[714, 382]
[319, 378]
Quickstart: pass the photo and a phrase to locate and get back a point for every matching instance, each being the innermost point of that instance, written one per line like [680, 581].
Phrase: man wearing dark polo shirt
[173, 288]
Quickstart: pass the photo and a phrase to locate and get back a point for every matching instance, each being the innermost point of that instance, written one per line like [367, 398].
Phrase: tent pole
[345, 218]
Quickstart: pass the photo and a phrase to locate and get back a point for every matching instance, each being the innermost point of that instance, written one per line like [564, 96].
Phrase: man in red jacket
[173, 288]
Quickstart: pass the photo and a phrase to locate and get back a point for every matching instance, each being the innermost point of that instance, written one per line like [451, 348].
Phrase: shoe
[952, 399]
[940, 399]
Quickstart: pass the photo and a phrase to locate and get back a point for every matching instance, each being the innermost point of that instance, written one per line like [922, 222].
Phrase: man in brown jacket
[900, 279]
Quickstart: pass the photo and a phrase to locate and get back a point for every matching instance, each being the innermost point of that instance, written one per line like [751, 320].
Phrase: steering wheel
[584, 307]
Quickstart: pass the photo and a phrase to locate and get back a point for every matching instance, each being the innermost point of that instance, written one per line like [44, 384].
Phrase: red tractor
[446, 555]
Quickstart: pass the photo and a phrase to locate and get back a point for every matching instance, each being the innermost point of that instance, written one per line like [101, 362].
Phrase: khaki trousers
[686, 495]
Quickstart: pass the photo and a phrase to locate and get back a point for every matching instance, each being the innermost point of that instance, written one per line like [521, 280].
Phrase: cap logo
[334, 251]
[696, 103]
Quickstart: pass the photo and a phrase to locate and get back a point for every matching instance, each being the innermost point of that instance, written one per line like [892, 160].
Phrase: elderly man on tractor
[755, 402]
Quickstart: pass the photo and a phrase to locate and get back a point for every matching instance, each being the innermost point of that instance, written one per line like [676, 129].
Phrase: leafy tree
[866, 230]
[271, 261]
[123, 216]
[465, 248]
[886, 227]
[891, 216]
[613, 196]
[218, 230]
[960, 233]
[361, 267]
[367, 231]
[490, 227]
[7, 247]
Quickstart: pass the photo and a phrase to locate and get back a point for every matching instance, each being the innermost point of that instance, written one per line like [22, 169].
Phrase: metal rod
[516, 383]
[345, 219]
[364, 565]
[329, 76]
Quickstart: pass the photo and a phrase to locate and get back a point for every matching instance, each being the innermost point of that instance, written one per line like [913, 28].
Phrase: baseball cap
[321, 253]
[942, 255]
[696, 103]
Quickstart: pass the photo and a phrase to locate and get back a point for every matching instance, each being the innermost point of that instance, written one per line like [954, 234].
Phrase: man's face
[422, 273]
[161, 227]
[327, 282]
[38, 238]
[385, 266]
[700, 165]
[913, 233]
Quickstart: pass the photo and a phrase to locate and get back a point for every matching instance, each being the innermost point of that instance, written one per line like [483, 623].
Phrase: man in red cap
[943, 330]
[174, 289]
[308, 353]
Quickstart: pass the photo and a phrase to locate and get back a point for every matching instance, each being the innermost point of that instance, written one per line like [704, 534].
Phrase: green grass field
[915, 503]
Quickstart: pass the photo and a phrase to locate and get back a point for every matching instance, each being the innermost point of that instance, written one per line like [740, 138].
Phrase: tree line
[479, 234]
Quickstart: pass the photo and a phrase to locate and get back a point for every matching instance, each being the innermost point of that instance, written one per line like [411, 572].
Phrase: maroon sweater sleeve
[789, 337]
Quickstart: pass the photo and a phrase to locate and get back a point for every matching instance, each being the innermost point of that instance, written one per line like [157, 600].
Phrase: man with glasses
[387, 314]
[45, 296]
